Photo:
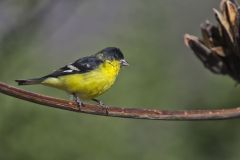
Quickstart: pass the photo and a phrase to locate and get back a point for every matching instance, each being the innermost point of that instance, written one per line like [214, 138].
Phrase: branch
[152, 114]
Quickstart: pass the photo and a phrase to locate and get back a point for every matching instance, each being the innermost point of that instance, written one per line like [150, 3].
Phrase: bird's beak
[123, 62]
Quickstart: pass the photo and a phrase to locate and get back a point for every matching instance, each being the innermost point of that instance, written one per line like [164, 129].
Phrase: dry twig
[151, 114]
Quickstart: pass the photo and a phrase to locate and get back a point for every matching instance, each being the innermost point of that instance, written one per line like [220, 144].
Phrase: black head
[112, 53]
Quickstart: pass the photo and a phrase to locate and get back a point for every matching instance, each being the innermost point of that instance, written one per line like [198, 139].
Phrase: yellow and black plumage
[86, 78]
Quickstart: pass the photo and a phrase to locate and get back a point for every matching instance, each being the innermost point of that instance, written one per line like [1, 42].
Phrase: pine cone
[219, 47]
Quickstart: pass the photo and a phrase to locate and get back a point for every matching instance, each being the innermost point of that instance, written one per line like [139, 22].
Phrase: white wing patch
[68, 71]
[72, 68]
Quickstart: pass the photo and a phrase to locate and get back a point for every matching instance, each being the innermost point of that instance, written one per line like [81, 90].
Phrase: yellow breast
[88, 85]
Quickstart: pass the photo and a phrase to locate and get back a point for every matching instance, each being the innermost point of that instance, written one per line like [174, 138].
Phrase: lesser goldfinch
[87, 77]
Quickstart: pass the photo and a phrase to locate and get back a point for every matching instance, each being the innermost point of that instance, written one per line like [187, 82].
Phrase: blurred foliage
[37, 37]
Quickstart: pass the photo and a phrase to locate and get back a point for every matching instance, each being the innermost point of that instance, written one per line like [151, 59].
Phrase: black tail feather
[29, 81]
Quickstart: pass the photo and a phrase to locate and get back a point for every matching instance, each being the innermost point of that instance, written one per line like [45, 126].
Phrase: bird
[85, 78]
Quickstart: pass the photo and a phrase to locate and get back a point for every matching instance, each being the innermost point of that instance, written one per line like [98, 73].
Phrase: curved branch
[153, 114]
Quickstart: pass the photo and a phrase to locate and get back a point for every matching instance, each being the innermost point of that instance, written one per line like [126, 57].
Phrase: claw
[78, 101]
[101, 104]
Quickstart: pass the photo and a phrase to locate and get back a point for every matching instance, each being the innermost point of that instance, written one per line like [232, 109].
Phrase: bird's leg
[78, 101]
[100, 103]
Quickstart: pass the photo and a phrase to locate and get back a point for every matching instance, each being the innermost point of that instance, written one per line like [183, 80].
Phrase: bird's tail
[30, 81]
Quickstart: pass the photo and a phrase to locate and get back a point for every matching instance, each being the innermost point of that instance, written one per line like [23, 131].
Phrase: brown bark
[135, 113]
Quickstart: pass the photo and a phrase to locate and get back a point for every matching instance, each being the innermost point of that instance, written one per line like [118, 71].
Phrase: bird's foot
[102, 105]
[78, 102]
[99, 102]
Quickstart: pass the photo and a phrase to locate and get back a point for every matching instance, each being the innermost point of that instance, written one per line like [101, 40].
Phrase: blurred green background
[38, 36]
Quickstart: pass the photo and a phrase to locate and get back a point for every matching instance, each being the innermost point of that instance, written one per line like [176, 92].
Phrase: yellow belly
[87, 85]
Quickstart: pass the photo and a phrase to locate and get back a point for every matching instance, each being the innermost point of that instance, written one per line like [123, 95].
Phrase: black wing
[82, 65]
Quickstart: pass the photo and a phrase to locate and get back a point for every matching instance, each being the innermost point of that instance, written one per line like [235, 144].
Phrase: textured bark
[135, 113]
